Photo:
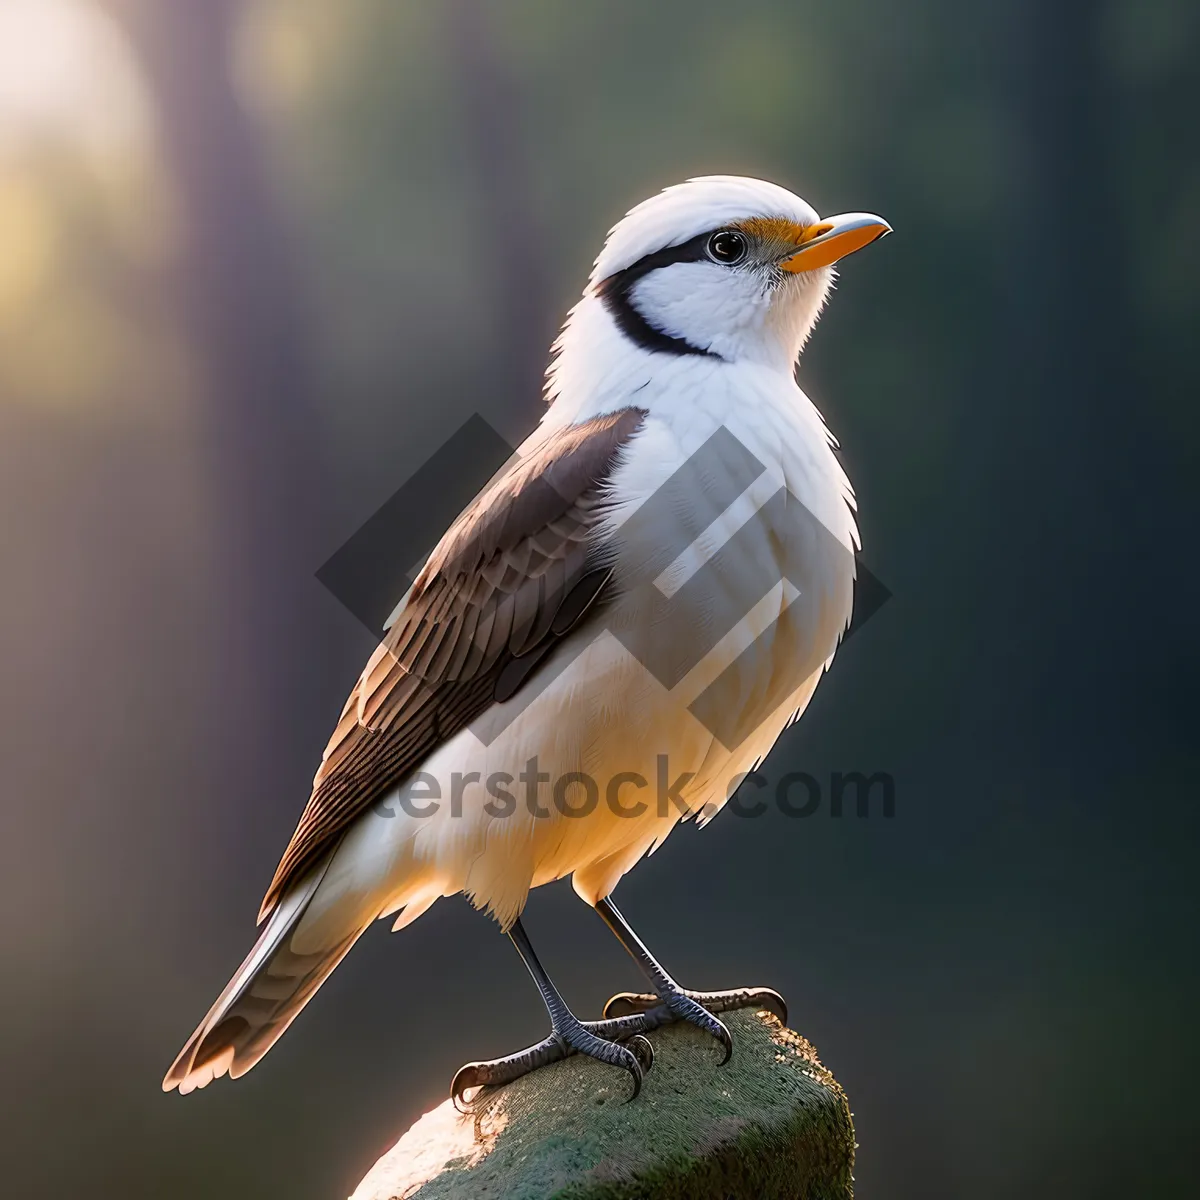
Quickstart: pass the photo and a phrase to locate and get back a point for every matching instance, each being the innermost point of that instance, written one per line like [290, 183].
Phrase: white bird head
[725, 267]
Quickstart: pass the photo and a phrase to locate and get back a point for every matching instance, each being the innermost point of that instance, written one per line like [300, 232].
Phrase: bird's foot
[679, 1006]
[698, 1008]
[617, 1042]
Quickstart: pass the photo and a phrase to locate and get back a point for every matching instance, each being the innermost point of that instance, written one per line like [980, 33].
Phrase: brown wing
[511, 577]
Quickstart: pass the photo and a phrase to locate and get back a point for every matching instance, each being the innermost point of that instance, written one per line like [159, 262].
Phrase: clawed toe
[468, 1076]
[678, 1006]
[626, 1004]
[684, 1008]
[583, 1041]
[617, 1043]
[751, 997]
[643, 1051]
[499, 1071]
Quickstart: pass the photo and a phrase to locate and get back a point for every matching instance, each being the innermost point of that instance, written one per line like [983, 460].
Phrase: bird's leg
[697, 1008]
[568, 1035]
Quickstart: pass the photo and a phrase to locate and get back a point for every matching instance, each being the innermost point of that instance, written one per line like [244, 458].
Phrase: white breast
[793, 531]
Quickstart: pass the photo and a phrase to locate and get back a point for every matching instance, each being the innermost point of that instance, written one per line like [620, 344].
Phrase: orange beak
[823, 244]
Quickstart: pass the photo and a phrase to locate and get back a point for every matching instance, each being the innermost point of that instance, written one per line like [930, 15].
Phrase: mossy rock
[772, 1124]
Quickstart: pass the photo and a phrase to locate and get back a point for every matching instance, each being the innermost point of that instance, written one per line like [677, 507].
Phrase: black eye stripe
[616, 289]
[693, 250]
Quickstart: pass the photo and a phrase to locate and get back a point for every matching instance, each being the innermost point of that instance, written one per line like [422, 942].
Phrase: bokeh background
[259, 258]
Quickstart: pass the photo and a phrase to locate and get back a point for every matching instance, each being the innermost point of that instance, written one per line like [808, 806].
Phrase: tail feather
[262, 999]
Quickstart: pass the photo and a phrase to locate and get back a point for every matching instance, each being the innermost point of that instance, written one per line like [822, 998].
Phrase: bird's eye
[727, 247]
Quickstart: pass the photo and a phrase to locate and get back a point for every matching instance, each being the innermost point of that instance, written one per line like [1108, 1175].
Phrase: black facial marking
[615, 292]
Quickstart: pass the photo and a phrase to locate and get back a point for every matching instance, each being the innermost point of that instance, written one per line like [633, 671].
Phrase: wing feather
[515, 573]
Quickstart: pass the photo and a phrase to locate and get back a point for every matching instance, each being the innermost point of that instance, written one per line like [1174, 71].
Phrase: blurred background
[259, 258]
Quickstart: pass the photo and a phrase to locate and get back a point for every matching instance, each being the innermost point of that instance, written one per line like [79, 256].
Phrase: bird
[636, 605]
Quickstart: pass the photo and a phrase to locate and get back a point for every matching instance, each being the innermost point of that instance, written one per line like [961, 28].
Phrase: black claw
[634, 1067]
[642, 1050]
[723, 1036]
[583, 1041]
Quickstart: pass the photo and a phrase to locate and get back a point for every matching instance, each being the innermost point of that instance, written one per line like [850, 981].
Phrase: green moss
[772, 1123]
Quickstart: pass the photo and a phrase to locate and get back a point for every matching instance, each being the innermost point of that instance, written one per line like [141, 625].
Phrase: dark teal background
[348, 227]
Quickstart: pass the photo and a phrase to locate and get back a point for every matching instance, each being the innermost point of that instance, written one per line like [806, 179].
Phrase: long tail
[280, 975]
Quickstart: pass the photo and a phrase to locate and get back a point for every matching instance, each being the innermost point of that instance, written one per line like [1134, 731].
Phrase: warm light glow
[65, 72]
